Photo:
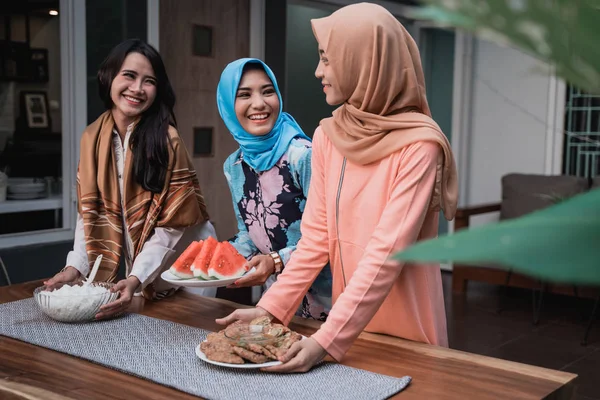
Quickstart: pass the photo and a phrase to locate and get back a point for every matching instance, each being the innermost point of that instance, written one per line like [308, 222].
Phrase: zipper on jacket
[337, 213]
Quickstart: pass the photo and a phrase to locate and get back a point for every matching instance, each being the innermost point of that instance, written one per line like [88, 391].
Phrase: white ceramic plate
[247, 365]
[197, 282]
[24, 186]
[25, 196]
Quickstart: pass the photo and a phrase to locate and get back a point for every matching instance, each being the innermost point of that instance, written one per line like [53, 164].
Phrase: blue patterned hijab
[260, 152]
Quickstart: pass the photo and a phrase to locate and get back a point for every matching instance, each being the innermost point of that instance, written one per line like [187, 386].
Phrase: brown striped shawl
[179, 205]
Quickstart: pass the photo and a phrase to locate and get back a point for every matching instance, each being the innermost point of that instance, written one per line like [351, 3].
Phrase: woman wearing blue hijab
[268, 176]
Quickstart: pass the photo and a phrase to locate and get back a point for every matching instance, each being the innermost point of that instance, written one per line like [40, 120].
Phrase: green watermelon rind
[206, 280]
[179, 275]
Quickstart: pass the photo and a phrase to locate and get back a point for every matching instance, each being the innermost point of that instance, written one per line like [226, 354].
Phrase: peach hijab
[378, 68]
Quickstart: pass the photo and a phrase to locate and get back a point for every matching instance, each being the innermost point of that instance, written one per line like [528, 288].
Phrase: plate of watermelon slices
[207, 263]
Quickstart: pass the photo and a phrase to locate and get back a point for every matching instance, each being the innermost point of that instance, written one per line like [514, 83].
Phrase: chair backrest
[4, 278]
[525, 193]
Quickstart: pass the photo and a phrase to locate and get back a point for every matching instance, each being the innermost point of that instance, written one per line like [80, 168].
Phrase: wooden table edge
[490, 362]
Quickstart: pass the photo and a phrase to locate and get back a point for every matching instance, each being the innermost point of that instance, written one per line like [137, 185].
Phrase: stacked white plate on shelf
[25, 189]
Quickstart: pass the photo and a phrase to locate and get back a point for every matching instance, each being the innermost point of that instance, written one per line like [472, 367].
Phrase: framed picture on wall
[39, 65]
[34, 110]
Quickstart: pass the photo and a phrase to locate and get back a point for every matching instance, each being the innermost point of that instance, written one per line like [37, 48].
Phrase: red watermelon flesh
[181, 268]
[227, 262]
[202, 260]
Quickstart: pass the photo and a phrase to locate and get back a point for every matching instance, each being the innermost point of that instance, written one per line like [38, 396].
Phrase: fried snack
[235, 330]
[250, 355]
[284, 345]
[276, 330]
[256, 348]
[261, 321]
[220, 352]
[274, 350]
[236, 345]
[289, 340]
[261, 350]
[217, 337]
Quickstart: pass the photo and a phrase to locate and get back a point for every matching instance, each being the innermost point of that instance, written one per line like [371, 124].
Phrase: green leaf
[561, 32]
[560, 243]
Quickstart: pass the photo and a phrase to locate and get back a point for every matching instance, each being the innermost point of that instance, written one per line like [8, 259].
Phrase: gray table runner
[163, 352]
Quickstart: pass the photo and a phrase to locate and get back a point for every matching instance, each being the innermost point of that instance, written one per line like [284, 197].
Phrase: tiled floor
[474, 325]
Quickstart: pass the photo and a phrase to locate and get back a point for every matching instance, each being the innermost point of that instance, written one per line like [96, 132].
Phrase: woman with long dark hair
[138, 194]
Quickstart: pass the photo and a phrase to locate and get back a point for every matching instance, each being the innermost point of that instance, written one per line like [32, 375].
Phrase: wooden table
[437, 373]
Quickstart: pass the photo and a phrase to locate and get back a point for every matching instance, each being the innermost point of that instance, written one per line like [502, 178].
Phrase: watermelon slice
[181, 268]
[227, 262]
[202, 260]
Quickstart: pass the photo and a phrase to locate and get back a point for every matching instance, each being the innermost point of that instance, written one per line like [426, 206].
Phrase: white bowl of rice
[74, 303]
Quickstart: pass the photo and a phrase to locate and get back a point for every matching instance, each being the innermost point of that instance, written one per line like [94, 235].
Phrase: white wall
[509, 128]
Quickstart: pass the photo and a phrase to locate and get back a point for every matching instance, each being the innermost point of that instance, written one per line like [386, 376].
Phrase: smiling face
[133, 89]
[324, 72]
[256, 103]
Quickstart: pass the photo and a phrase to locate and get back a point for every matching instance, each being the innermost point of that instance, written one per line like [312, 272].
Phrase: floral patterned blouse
[269, 206]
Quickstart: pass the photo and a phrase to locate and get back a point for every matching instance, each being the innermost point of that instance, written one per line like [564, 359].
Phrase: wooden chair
[522, 194]
[5, 272]
[588, 328]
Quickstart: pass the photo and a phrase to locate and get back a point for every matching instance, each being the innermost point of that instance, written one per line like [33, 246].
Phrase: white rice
[74, 300]
[76, 290]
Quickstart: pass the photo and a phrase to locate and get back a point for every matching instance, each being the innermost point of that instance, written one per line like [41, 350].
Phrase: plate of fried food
[257, 344]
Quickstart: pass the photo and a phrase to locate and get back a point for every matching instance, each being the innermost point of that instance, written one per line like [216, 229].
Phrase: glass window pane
[109, 22]
[581, 154]
[30, 117]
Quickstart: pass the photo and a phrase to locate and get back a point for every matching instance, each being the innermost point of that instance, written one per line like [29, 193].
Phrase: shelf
[16, 206]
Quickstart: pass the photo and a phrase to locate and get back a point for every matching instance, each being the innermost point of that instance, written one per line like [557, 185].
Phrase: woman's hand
[244, 315]
[301, 357]
[67, 275]
[126, 289]
[265, 267]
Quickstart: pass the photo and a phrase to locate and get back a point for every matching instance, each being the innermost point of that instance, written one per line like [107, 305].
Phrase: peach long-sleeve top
[356, 216]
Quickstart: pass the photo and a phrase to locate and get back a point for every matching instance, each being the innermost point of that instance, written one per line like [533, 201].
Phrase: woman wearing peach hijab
[381, 171]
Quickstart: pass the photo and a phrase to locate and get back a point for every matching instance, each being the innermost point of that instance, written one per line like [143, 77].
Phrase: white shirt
[159, 251]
